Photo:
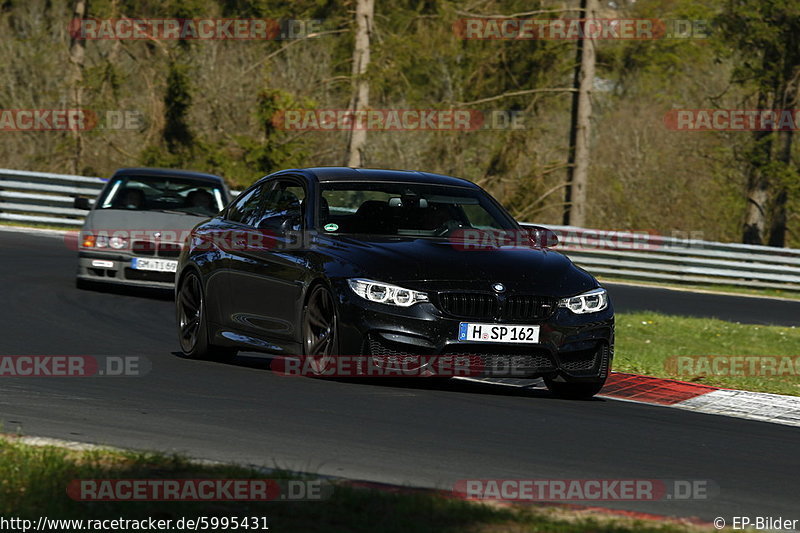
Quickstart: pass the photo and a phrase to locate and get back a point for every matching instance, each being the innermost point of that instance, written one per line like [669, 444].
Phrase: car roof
[334, 174]
[168, 173]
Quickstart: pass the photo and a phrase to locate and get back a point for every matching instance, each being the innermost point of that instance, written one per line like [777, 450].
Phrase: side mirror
[293, 222]
[282, 231]
[81, 203]
[542, 237]
[283, 223]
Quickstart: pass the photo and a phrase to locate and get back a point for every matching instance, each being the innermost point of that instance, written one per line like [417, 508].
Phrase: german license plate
[507, 333]
[157, 265]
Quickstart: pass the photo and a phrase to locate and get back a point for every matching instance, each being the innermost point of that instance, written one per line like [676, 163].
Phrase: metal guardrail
[46, 198]
[648, 257]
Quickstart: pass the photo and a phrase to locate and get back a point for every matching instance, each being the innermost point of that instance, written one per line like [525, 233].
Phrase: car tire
[320, 325]
[192, 326]
[574, 391]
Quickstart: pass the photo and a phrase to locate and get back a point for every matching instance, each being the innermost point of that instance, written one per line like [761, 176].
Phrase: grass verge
[34, 481]
[645, 342]
[34, 225]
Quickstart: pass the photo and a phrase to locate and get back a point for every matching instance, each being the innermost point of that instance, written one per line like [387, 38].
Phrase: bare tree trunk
[357, 140]
[77, 46]
[777, 218]
[580, 128]
[759, 186]
[755, 217]
[777, 230]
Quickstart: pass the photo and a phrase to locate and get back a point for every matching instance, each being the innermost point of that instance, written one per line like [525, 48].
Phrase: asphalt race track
[744, 309]
[419, 433]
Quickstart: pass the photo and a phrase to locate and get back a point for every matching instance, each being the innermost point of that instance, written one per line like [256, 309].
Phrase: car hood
[436, 264]
[118, 219]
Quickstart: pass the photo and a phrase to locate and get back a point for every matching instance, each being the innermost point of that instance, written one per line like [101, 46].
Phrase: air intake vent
[469, 305]
[485, 306]
[524, 307]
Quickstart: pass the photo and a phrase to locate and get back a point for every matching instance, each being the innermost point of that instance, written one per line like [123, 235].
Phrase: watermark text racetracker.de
[508, 28]
[200, 490]
[398, 366]
[185, 29]
[400, 120]
[583, 490]
[30, 120]
[733, 365]
[149, 241]
[732, 120]
[575, 239]
[73, 366]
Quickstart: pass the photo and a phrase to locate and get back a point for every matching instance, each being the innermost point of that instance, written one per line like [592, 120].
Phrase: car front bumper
[571, 347]
[116, 268]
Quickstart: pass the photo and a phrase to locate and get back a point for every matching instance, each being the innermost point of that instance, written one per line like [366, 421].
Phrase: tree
[177, 101]
[77, 50]
[766, 35]
[580, 125]
[357, 140]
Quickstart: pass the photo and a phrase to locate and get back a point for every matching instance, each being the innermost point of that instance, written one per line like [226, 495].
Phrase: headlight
[376, 291]
[103, 241]
[588, 302]
[118, 243]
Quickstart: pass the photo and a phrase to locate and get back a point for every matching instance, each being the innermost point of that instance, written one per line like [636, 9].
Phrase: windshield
[157, 193]
[406, 209]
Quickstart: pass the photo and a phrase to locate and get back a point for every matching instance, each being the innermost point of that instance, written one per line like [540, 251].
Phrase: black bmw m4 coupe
[322, 264]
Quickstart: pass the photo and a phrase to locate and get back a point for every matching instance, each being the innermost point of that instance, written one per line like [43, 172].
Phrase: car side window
[246, 208]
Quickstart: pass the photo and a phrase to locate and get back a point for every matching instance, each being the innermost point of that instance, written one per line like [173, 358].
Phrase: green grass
[33, 481]
[35, 225]
[645, 341]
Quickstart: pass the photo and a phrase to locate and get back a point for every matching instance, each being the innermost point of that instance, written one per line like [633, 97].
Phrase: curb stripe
[620, 386]
[648, 389]
[762, 406]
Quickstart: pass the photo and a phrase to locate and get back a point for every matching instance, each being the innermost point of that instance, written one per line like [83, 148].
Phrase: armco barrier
[46, 198]
[674, 260]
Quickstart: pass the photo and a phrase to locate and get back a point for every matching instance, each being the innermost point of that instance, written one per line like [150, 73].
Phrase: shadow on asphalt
[125, 290]
[535, 390]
